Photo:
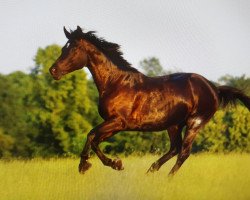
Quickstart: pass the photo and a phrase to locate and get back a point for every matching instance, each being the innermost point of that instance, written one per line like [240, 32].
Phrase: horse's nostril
[53, 70]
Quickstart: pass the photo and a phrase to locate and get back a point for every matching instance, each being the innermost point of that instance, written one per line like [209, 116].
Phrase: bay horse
[131, 101]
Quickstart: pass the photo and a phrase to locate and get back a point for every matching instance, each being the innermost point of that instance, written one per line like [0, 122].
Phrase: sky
[208, 37]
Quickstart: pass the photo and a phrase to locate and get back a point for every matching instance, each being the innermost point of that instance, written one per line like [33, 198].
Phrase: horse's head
[73, 56]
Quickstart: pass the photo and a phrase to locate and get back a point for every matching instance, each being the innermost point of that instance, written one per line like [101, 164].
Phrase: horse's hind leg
[174, 133]
[191, 131]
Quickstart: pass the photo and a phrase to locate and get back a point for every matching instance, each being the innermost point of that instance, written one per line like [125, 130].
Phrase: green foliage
[6, 144]
[227, 131]
[14, 114]
[241, 82]
[239, 130]
[152, 67]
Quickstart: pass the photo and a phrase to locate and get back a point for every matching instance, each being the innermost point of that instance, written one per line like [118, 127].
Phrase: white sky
[209, 37]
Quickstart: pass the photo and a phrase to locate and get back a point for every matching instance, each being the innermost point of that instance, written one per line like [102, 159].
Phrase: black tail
[229, 95]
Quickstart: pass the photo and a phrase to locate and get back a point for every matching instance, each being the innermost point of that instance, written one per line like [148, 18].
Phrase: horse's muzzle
[55, 73]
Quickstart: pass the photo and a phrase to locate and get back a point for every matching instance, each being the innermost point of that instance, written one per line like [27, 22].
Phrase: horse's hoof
[117, 164]
[154, 167]
[84, 166]
[151, 170]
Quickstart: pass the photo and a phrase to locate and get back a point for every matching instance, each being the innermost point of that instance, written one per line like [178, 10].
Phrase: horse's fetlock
[107, 162]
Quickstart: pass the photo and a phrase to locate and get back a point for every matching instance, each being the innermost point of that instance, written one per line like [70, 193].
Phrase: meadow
[203, 176]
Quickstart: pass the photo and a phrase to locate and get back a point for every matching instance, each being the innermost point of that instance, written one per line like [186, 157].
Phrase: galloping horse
[131, 101]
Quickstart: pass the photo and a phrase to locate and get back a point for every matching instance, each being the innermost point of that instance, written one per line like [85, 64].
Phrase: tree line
[42, 117]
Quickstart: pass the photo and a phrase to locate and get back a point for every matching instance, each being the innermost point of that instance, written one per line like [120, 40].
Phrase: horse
[132, 101]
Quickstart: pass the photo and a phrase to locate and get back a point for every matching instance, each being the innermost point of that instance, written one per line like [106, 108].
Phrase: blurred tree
[238, 132]
[6, 145]
[15, 90]
[241, 82]
[152, 67]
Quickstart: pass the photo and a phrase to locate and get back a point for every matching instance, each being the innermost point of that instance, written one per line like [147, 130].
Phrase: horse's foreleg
[105, 131]
[174, 133]
[95, 137]
[115, 164]
[84, 164]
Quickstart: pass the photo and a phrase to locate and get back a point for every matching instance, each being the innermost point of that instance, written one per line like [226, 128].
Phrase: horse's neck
[103, 70]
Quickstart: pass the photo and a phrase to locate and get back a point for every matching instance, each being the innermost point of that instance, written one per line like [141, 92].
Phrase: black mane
[109, 49]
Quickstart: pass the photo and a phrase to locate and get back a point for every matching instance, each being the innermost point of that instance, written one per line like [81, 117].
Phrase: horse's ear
[79, 28]
[67, 33]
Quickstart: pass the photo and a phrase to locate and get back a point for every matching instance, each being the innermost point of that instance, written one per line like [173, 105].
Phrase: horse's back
[175, 79]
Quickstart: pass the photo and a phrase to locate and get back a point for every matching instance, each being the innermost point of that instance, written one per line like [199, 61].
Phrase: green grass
[204, 176]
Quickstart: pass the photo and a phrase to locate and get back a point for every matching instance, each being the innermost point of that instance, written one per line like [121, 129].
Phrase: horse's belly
[158, 117]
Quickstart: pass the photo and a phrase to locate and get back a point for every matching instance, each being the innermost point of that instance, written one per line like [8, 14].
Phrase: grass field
[204, 176]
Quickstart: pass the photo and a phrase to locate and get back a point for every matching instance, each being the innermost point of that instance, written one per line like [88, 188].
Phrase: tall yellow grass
[203, 176]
